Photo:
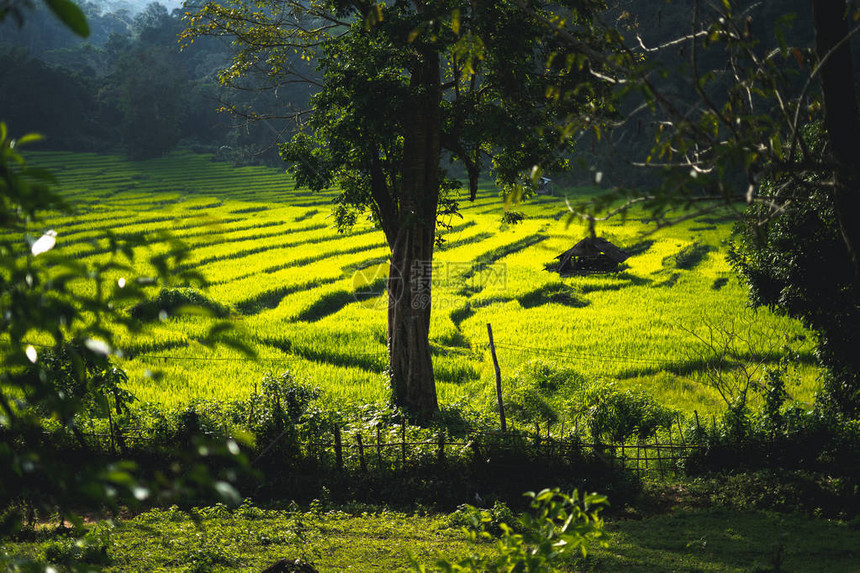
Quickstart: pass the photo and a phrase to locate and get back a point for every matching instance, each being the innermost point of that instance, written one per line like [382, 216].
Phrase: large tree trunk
[841, 118]
[411, 367]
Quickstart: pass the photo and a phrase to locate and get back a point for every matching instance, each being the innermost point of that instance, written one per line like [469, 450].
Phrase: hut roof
[592, 247]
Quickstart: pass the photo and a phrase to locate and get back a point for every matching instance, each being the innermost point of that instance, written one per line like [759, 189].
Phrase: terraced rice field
[308, 299]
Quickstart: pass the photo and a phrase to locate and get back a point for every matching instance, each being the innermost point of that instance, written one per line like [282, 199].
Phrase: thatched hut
[591, 255]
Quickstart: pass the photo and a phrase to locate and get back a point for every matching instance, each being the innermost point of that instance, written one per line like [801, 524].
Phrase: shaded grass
[494, 255]
[464, 241]
[720, 540]
[246, 210]
[327, 304]
[639, 247]
[375, 362]
[611, 282]
[557, 293]
[689, 257]
[333, 302]
[272, 298]
[138, 347]
[306, 215]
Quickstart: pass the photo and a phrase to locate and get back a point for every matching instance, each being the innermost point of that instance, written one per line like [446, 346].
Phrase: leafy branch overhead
[65, 10]
[724, 105]
[59, 323]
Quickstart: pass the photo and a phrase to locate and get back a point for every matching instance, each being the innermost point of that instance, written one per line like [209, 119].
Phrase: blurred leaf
[228, 493]
[70, 15]
[29, 138]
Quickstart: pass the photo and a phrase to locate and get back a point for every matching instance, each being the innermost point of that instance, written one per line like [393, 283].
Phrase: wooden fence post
[378, 449]
[361, 463]
[440, 454]
[338, 448]
[681, 431]
[498, 379]
[645, 457]
[403, 442]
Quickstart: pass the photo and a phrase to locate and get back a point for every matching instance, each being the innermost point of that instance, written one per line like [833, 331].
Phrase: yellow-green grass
[270, 252]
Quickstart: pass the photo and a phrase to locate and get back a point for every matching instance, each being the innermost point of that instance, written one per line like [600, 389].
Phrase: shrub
[527, 404]
[535, 388]
[87, 377]
[618, 415]
[277, 409]
[547, 376]
[480, 521]
[457, 418]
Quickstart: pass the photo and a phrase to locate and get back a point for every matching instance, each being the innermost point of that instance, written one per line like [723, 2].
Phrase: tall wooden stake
[498, 379]
[338, 448]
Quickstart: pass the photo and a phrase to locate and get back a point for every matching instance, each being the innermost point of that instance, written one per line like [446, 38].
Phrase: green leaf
[70, 15]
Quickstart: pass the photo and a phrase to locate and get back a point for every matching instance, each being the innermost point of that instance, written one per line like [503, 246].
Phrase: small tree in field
[399, 83]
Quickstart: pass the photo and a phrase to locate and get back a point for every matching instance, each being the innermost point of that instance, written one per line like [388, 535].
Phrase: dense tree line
[128, 87]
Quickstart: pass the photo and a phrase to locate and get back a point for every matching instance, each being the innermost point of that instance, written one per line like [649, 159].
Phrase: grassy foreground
[250, 539]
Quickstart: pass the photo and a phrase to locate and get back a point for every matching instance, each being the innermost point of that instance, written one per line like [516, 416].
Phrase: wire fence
[384, 450]
[378, 354]
[381, 354]
[377, 451]
[397, 448]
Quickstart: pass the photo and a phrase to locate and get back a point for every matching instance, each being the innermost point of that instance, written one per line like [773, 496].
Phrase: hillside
[309, 300]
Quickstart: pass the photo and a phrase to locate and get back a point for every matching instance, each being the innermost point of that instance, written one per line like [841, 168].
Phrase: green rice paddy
[309, 299]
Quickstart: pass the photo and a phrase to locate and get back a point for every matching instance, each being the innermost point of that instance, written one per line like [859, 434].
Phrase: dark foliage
[798, 264]
[783, 457]
[128, 87]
